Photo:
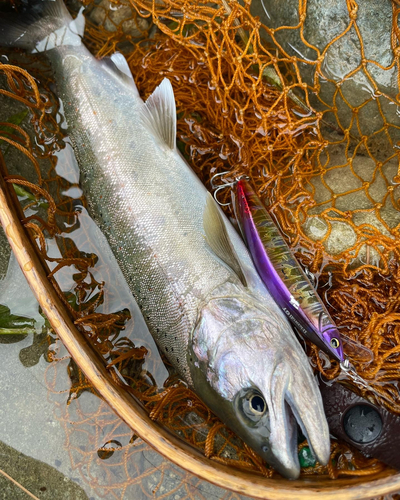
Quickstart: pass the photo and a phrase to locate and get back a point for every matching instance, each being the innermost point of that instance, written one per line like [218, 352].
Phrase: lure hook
[349, 370]
[223, 186]
[216, 188]
[213, 186]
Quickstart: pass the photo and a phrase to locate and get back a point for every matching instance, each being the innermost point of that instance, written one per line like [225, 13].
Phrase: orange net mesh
[245, 105]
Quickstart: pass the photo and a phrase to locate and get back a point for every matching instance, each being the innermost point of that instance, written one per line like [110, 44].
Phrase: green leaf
[173, 25]
[188, 28]
[72, 300]
[197, 117]
[30, 356]
[11, 324]
[182, 148]
[23, 193]
[16, 119]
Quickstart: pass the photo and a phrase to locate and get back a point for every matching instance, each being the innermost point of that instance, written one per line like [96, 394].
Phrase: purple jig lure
[282, 274]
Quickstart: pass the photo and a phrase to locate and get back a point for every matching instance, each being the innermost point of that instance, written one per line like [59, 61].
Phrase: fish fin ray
[79, 23]
[158, 114]
[122, 64]
[218, 239]
[119, 65]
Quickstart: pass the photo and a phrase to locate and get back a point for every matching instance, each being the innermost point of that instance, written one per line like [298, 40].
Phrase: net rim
[136, 417]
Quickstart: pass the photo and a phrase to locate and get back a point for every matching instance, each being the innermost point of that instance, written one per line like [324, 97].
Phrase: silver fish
[188, 269]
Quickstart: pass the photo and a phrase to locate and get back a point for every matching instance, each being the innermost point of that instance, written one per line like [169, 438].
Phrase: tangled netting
[245, 105]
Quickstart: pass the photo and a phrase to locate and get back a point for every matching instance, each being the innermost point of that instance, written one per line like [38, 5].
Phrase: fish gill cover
[306, 111]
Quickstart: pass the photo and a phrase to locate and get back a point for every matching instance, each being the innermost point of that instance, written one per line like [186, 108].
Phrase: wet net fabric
[325, 165]
[323, 158]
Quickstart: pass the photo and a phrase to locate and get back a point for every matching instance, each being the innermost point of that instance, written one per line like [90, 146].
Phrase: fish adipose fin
[41, 26]
[119, 66]
[218, 239]
[159, 114]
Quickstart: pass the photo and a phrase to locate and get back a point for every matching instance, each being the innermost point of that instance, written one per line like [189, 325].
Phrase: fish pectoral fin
[218, 239]
[159, 114]
[122, 64]
[119, 65]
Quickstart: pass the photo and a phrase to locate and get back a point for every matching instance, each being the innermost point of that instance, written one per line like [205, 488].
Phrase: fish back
[147, 202]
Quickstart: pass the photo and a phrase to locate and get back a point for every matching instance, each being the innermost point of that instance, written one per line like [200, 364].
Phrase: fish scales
[149, 206]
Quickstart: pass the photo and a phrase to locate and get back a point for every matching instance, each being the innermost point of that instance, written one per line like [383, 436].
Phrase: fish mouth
[294, 405]
[283, 444]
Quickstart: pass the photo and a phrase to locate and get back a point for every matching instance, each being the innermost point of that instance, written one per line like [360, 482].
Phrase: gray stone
[8, 107]
[12, 157]
[40, 479]
[112, 15]
[339, 179]
[326, 74]
[323, 22]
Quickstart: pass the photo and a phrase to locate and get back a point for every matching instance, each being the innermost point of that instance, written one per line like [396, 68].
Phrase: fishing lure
[283, 276]
[351, 417]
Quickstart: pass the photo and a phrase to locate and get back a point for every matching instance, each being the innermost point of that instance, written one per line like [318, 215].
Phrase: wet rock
[359, 188]
[323, 22]
[12, 156]
[331, 62]
[111, 16]
[37, 477]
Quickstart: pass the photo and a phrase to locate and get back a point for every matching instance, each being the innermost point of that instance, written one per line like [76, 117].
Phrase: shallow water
[51, 449]
[70, 443]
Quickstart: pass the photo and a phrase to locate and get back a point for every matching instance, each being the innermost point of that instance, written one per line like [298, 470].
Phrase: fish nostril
[264, 449]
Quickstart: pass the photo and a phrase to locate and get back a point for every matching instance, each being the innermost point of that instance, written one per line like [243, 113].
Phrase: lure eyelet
[257, 404]
[335, 342]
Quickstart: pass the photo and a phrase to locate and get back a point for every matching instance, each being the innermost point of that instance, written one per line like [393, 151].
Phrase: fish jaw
[293, 397]
[240, 351]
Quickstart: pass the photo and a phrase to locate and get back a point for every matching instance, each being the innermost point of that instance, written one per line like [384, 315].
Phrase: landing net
[246, 105]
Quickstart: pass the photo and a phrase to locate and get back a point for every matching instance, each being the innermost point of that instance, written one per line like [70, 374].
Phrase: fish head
[248, 367]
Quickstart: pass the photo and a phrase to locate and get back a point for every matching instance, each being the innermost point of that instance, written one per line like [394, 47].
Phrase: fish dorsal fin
[77, 26]
[218, 239]
[41, 26]
[119, 65]
[159, 114]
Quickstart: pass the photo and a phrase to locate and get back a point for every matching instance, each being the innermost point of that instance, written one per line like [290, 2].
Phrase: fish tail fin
[40, 26]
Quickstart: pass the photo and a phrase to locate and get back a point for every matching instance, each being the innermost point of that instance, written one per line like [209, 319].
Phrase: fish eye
[252, 406]
[335, 342]
[257, 404]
